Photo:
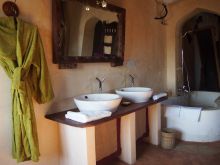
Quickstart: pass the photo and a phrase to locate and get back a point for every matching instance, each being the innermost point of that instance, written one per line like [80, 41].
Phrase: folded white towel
[190, 113]
[172, 111]
[107, 49]
[84, 117]
[160, 95]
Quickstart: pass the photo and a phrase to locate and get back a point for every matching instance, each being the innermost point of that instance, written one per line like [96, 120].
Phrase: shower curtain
[210, 71]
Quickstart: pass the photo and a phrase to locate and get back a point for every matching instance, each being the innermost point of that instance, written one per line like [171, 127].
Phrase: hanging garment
[22, 57]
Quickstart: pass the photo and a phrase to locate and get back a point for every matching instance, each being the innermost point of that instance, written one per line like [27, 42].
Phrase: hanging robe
[22, 57]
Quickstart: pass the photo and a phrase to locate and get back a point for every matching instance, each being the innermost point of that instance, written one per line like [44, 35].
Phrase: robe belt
[17, 78]
[18, 84]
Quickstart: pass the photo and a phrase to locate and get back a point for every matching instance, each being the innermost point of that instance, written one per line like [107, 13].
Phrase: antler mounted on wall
[162, 10]
[164, 14]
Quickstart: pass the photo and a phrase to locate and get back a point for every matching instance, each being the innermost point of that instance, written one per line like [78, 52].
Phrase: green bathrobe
[22, 57]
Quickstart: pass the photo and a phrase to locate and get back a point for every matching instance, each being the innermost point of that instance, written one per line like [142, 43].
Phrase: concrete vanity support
[154, 117]
[128, 139]
[78, 145]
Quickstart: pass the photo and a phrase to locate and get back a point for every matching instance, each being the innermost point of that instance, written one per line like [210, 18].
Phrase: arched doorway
[180, 12]
[200, 54]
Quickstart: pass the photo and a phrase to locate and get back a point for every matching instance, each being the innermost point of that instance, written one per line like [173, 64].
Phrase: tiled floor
[184, 153]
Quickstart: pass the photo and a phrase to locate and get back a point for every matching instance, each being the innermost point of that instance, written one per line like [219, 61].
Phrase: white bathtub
[206, 128]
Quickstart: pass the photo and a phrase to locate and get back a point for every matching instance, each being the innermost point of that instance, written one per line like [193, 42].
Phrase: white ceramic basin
[98, 102]
[135, 94]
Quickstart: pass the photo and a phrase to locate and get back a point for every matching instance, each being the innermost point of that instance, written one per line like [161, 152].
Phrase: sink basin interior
[136, 94]
[136, 89]
[98, 102]
[98, 97]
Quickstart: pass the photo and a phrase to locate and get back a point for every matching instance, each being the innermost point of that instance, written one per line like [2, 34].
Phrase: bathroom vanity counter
[79, 137]
[122, 111]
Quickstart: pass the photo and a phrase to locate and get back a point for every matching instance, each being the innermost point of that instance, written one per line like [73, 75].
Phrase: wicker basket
[168, 138]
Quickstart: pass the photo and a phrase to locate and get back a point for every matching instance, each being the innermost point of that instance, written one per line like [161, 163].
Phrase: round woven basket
[168, 138]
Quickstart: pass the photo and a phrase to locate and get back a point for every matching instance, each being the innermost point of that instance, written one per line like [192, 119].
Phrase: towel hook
[11, 9]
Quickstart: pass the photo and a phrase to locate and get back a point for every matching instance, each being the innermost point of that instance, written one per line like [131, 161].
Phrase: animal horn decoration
[163, 13]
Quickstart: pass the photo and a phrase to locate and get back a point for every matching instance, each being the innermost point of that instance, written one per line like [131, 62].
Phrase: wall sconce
[87, 8]
[86, 4]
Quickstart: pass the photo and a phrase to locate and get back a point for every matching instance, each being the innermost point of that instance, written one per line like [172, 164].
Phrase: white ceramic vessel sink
[135, 94]
[98, 102]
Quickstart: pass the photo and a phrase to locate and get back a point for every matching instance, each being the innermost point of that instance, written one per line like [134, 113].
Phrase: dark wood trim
[58, 39]
[147, 123]
[119, 135]
[56, 31]
[122, 111]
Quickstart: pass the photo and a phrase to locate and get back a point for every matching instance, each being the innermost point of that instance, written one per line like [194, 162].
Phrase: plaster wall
[179, 13]
[144, 58]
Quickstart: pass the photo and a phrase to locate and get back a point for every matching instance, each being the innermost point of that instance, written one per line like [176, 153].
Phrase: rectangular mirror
[83, 31]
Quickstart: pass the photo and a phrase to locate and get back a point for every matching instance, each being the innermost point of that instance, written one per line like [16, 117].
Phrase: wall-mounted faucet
[132, 80]
[217, 100]
[100, 81]
[184, 89]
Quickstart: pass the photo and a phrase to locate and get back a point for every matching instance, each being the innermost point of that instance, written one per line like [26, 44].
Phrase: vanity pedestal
[78, 139]
[154, 119]
[78, 145]
[128, 139]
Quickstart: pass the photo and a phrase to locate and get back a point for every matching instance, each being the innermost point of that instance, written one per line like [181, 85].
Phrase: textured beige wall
[144, 57]
[179, 12]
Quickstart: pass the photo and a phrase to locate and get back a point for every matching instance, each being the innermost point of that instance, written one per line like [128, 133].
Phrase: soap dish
[125, 103]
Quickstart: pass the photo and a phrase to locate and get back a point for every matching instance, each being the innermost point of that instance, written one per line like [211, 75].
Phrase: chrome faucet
[184, 89]
[217, 100]
[132, 80]
[100, 81]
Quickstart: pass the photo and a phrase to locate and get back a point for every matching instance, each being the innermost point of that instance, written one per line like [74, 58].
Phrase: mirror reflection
[90, 31]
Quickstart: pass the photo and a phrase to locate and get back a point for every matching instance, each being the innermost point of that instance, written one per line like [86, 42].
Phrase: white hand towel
[84, 117]
[172, 111]
[107, 49]
[190, 113]
[160, 95]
